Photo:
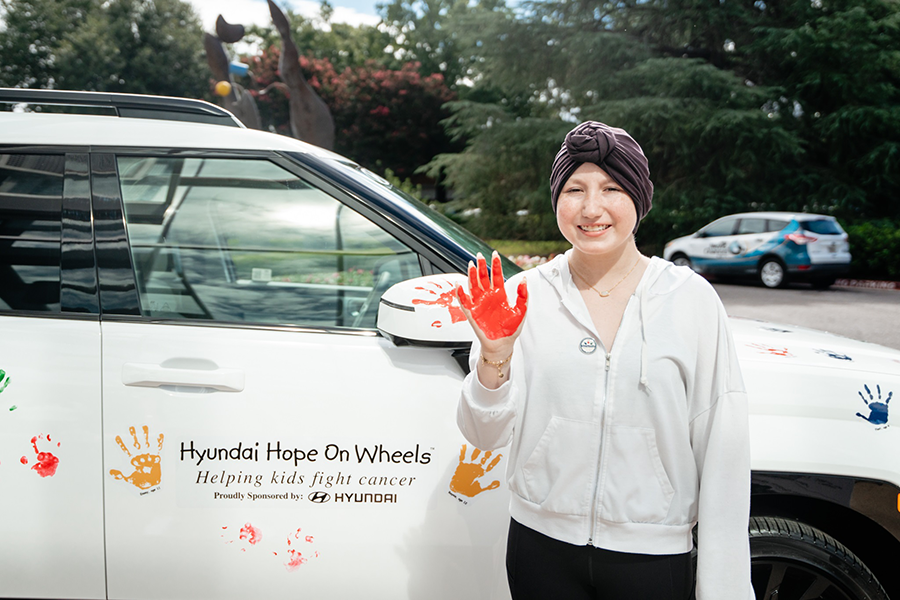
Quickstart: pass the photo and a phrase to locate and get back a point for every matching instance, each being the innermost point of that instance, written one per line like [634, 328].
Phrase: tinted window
[246, 241]
[723, 227]
[748, 226]
[776, 225]
[31, 189]
[822, 227]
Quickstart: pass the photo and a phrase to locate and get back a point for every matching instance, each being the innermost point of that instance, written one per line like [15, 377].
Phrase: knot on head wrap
[614, 151]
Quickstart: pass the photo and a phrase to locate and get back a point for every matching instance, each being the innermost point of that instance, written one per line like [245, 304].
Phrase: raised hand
[487, 307]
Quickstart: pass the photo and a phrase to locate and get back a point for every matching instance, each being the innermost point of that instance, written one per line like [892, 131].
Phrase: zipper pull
[608, 356]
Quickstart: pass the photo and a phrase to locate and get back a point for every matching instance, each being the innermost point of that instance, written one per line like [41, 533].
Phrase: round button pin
[588, 345]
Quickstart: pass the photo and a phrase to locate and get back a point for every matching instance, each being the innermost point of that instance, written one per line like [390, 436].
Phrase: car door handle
[196, 375]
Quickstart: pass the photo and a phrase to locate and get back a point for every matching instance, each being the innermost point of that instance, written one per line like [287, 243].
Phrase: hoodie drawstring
[641, 314]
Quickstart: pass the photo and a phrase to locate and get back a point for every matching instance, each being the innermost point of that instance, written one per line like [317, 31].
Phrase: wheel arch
[858, 524]
[771, 256]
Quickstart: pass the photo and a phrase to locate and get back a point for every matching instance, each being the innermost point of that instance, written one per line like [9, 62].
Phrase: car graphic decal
[878, 410]
[46, 463]
[741, 256]
[833, 354]
[775, 351]
[465, 481]
[147, 468]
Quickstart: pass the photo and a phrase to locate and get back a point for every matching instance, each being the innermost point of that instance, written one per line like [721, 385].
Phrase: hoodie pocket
[556, 475]
[637, 488]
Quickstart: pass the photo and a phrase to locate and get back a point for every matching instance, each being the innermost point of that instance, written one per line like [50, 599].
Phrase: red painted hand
[487, 305]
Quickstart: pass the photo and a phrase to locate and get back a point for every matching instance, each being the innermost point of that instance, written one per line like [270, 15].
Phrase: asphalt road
[862, 314]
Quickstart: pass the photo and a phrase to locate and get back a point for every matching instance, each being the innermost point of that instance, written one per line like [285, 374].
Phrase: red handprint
[46, 463]
[488, 304]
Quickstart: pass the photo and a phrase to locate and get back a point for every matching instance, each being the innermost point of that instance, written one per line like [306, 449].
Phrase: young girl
[620, 395]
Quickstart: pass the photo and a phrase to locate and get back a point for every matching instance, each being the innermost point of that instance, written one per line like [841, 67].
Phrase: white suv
[229, 369]
[775, 247]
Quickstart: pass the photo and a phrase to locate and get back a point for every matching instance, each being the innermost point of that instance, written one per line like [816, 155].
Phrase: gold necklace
[607, 292]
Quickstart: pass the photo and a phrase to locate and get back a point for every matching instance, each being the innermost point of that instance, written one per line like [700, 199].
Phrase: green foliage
[738, 106]
[875, 247]
[504, 169]
[528, 247]
[136, 46]
[404, 185]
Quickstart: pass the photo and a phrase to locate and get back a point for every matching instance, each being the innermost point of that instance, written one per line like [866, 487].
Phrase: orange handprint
[488, 304]
[465, 479]
[147, 471]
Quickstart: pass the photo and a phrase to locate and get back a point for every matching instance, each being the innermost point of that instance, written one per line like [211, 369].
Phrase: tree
[441, 35]
[739, 106]
[136, 46]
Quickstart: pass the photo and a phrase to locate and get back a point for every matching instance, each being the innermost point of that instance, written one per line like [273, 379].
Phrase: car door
[51, 506]
[261, 438]
[748, 244]
[709, 250]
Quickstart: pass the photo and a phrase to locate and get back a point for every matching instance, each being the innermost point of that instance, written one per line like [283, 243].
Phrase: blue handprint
[878, 411]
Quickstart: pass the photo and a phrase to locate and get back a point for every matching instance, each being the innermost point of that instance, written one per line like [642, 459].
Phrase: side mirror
[425, 312]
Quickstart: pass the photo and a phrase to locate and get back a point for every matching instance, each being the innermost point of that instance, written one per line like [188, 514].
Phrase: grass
[531, 248]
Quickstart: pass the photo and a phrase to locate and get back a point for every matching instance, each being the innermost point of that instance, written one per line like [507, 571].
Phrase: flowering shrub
[383, 118]
[529, 262]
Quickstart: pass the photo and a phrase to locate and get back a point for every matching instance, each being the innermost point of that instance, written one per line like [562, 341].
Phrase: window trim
[78, 276]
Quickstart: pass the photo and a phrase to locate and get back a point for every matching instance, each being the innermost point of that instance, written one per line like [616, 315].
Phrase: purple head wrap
[614, 151]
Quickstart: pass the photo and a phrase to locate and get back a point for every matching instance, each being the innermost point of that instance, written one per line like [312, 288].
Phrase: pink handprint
[294, 555]
[488, 304]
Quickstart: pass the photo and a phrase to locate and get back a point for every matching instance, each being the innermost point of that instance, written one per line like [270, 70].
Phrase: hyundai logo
[319, 497]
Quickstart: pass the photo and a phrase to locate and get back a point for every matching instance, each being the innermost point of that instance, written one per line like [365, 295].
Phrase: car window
[246, 241]
[776, 225]
[753, 225]
[822, 227]
[719, 228]
[31, 190]
[454, 231]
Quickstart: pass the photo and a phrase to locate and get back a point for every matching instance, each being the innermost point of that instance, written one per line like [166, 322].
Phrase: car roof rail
[123, 105]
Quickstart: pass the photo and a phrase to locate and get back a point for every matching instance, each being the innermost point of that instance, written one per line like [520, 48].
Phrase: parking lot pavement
[863, 314]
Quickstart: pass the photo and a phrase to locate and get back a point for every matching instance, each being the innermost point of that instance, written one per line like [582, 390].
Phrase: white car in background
[230, 365]
[774, 247]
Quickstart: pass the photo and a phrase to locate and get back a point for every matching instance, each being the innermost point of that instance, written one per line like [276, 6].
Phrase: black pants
[541, 568]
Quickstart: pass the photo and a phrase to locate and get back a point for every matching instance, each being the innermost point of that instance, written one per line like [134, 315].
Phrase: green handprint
[4, 380]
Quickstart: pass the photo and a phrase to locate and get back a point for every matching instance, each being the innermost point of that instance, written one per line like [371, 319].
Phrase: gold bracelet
[496, 363]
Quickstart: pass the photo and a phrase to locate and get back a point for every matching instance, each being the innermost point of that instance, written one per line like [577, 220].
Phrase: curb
[869, 284]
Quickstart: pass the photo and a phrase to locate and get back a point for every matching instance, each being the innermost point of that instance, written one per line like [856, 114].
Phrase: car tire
[791, 560]
[772, 273]
[681, 260]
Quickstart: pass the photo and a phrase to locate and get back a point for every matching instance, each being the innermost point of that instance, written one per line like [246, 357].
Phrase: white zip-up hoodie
[625, 450]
